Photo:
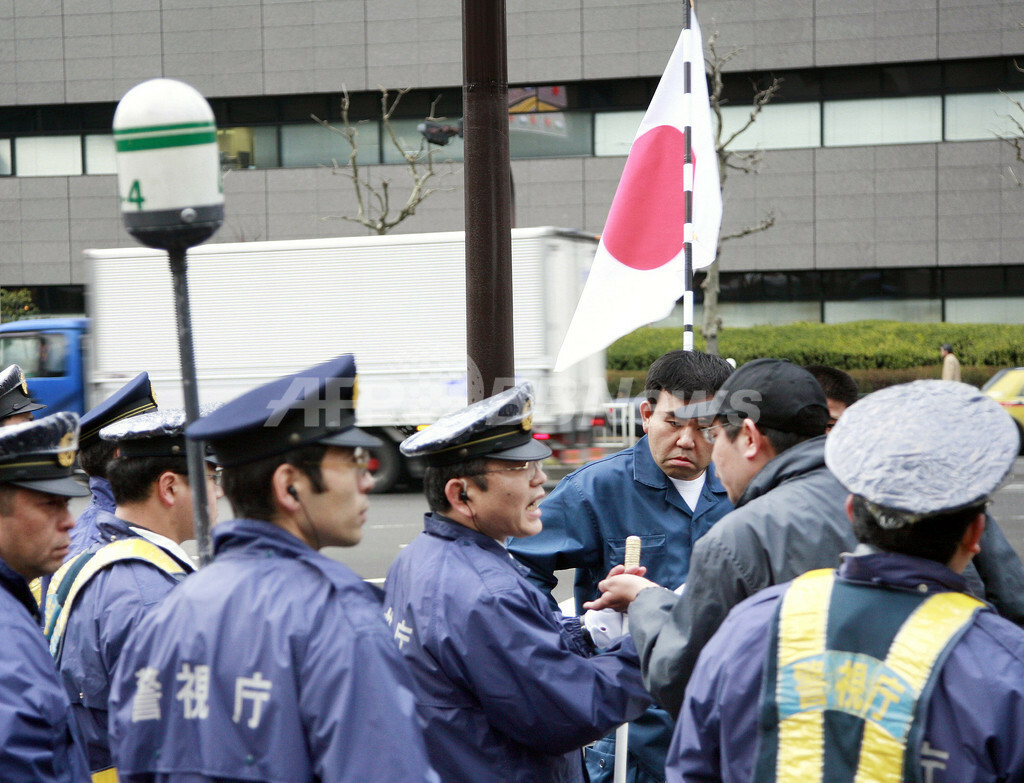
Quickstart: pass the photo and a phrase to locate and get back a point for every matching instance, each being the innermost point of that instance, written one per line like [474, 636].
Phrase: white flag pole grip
[629, 560]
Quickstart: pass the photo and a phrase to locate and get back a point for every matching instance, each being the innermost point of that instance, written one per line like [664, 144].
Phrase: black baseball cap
[773, 393]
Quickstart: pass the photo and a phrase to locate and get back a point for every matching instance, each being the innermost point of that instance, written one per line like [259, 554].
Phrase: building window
[882, 121]
[983, 116]
[614, 132]
[412, 141]
[778, 127]
[313, 145]
[48, 156]
[6, 169]
[100, 154]
[552, 134]
[248, 148]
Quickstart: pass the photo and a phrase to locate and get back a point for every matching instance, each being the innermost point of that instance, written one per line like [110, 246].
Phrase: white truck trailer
[264, 309]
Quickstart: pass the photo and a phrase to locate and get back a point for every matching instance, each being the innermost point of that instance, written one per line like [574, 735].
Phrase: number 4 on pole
[135, 195]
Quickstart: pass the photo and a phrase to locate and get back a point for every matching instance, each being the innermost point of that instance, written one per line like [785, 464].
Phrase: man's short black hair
[934, 538]
[684, 374]
[248, 486]
[780, 441]
[132, 478]
[95, 457]
[836, 384]
[436, 478]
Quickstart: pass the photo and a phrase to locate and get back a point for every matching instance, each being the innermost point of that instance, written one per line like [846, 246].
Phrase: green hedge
[860, 345]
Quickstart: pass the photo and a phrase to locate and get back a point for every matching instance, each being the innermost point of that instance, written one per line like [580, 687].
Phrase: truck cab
[51, 353]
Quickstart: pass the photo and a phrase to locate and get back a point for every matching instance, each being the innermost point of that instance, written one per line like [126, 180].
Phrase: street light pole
[489, 342]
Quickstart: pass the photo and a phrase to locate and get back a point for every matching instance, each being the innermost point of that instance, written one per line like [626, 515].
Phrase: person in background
[16, 406]
[134, 398]
[950, 364]
[840, 390]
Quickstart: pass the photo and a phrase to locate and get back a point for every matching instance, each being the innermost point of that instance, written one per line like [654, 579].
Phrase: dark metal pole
[489, 344]
[193, 448]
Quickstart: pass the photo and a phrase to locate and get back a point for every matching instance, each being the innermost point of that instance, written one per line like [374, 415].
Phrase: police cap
[135, 397]
[923, 448]
[14, 398]
[153, 434]
[317, 405]
[500, 427]
[40, 455]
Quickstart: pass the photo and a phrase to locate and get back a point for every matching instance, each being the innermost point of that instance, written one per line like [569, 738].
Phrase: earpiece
[293, 492]
[463, 495]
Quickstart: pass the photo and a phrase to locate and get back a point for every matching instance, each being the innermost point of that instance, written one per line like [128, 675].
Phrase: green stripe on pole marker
[167, 141]
[204, 124]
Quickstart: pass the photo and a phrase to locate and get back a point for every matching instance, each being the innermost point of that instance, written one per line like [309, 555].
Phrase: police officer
[94, 453]
[274, 662]
[508, 688]
[132, 399]
[887, 669]
[16, 406]
[97, 598]
[39, 742]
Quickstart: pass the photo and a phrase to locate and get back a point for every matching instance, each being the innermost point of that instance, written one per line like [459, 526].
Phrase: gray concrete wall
[922, 204]
[56, 51]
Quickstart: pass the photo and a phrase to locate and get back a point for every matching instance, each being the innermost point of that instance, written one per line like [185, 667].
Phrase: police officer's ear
[169, 486]
[283, 485]
[457, 493]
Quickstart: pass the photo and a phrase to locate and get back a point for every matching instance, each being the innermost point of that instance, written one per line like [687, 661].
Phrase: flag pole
[688, 192]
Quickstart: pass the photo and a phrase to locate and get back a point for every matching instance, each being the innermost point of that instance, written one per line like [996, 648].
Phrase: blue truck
[52, 353]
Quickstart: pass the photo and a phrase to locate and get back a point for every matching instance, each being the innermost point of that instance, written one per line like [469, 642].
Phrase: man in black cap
[39, 742]
[767, 424]
[97, 598]
[16, 406]
[768, 428]
[509, 689]
[274, 662]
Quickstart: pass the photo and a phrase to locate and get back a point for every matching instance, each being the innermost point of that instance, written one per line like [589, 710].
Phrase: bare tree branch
[373, 200]
[743, 161]
[1015, 139]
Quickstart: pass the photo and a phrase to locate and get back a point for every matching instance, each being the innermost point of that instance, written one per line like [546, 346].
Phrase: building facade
[892, 192]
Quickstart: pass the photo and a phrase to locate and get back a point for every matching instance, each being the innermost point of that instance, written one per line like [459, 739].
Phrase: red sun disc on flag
[645, 224]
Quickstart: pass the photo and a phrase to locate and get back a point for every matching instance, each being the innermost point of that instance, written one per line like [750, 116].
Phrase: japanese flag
[637, 274]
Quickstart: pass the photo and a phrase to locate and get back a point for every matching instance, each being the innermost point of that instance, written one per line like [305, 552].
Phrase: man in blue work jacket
[96, 599]
[274, 662]
[887, 668]
[664, 490]
[39, 742]
[509, 689]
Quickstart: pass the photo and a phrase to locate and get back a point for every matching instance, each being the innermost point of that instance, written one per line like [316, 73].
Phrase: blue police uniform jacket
[86, 533]
[272, 663]
[587, 518]
[106, 611]
[506, 685]
[972, 730]
[39, 742]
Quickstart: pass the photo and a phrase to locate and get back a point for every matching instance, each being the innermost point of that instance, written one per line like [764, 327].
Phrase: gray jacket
[790, 519]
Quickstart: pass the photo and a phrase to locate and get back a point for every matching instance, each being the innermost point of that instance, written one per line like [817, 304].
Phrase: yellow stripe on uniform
[912, 655]
[803, 621]
[108, 775]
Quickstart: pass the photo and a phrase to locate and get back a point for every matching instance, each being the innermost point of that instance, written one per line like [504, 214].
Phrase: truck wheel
[389, 465]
